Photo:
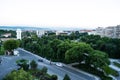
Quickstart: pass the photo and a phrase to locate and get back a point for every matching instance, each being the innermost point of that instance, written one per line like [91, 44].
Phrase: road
[9, 64]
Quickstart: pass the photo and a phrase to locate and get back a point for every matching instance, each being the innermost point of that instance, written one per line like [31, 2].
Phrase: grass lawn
[92, 71]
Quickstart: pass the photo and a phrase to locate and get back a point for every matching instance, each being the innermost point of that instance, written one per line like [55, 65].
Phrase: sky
[60, 13]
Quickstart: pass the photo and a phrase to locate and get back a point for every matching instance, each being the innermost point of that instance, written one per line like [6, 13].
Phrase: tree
[10, 45]
[19, 75]
[23, 63]
[33, 64]
[54, 77]
[100, 45]
[44, 70]
[35, 48]
[62, 48]
[66, 77]
[77, 52]
[54, 45]
[98, 59]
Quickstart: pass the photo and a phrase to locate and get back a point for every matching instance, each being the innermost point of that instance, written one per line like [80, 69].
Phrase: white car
[59, 64]
[16, 53]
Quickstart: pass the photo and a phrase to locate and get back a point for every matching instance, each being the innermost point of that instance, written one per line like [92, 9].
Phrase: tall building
[19, 34]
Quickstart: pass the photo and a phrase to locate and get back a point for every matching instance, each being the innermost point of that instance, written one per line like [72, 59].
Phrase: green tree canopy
[19, 75]
[33, 64]
[66, 77]
[78, 52]
[11, 45]
[98, 59]
[62, 48]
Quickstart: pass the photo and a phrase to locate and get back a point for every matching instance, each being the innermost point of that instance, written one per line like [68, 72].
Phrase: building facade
[19, 31]
[40, 33]
[111, 32]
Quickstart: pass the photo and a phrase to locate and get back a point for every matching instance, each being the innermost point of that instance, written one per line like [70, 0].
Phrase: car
[40, 60]
[59, 64]
[16, 53]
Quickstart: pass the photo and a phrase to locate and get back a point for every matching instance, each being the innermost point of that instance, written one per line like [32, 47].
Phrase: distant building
[61, 33]
[85, 31]
[111, 31]
[40, 33]
[19, 34]
[6, 35]
[92, 32]
[100, 31]
[5, 39]
[117, 31]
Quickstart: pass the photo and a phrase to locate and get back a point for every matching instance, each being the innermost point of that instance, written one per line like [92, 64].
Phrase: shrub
[23, 63]
[54, 77]
[44, 70]
[19, 75]
[66, 77]
[33, 64]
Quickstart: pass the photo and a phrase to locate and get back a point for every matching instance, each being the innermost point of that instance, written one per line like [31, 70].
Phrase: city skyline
[60, 13]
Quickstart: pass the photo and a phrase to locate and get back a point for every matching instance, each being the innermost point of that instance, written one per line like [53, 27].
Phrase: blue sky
[59, 13]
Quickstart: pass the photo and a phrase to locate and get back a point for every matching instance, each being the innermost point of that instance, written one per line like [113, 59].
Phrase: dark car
[40, 60]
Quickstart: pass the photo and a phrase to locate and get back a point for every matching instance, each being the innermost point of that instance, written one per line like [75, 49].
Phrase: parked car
[40, 60]
[59, 64]
[16, 53]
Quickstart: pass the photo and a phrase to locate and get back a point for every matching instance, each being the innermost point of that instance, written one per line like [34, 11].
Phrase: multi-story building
[117, 31]
[19, 34]
[40, 33]
[61, 33]
[6, 35]
[111, 32]
[100, 31]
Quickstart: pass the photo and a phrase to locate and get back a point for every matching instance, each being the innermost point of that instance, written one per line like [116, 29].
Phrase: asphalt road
[9, 64]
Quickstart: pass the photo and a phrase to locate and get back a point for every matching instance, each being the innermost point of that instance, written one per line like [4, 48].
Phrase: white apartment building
[100, 31]
[117, 31]
[40, 33]
[61, 33]
[111, 32]
[92, 33]
[19, 31]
